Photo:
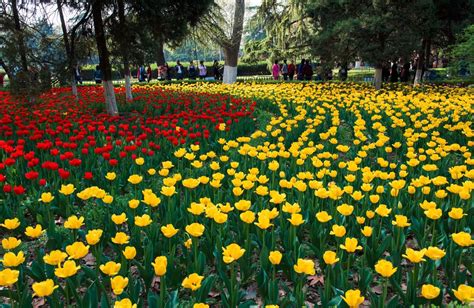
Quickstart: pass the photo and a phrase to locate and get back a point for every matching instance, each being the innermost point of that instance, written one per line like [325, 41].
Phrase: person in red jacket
[291, 70]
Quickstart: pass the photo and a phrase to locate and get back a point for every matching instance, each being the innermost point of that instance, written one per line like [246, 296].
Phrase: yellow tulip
[120, 238]
[67, 189]
[34, 232]
[44, 288]
[323, 216]
[74, 222]
[296, 219]
[192, 282]
[129, 252]
[10, 224]
[415, 256]
[464, 293]
[110, 268]
[353, 298]
[169, 230]
[338, 231]
[330, 257]
[68, 269]
[13, 260]
[275, 257]
[124, 303]
[118, 284]
[8, 277]
[135, 179]
[350, 245]
[463, 239]
[77, 250]
[143, 221]
[429, 291]
[93, 236]
[10, 243]
[385, 268]
[303, 266]
[195, 229]
[55, 257]
[434, 253]
[159, 265]
[232, 253]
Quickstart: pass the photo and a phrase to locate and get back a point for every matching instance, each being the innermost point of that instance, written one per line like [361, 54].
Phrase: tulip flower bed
[238, 195]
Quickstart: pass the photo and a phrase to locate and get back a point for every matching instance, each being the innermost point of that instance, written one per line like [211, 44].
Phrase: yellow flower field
[339, 196]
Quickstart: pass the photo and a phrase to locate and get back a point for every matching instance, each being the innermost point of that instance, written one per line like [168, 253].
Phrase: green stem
[232, 286]
[195, 252]
[384, 296]
[162, 291]
[327, 284]
[433, 242]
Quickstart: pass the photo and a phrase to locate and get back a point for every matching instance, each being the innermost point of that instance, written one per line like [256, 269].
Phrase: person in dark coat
[405, 73]
[394, 72]
[307, 71]
[216, 70]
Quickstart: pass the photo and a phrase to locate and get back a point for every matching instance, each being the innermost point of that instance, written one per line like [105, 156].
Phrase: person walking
[284, 70]
[276, 70]
[148, 73]
[77, 74]
[405, 72]
[343, 72]
[307, 71]
[299, 73]
[98, 75]
[192, 71]
[394, 72]
[167, 71]
[202, 70]
[291, 70]
[216, 70]
[179, 70]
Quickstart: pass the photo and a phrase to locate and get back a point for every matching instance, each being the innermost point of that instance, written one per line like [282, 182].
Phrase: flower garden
[238, 195]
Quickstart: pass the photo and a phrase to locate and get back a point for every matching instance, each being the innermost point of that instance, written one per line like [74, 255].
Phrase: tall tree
[168, 21]
[124, 49]
[104, 61]
[224, 25]
[437, 22]
[286, 29]
[19, 35]
[369, 29]
[69, 39]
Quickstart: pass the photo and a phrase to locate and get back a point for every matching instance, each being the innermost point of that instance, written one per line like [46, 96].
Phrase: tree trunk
[230, 66]
[19, 35]
[160, 53]
[123, 47]
[74, 86]
[231, 51]
[128, 87]
[420, 64]
[110, 102]
[67, 46]
[378, 77]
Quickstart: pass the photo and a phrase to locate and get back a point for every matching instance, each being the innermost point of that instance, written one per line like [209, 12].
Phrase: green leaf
[173, 300]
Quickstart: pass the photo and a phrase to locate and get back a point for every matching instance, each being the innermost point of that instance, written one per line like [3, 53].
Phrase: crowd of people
[165, 72]
[392, 71]
[305, 70]
[179, 71]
